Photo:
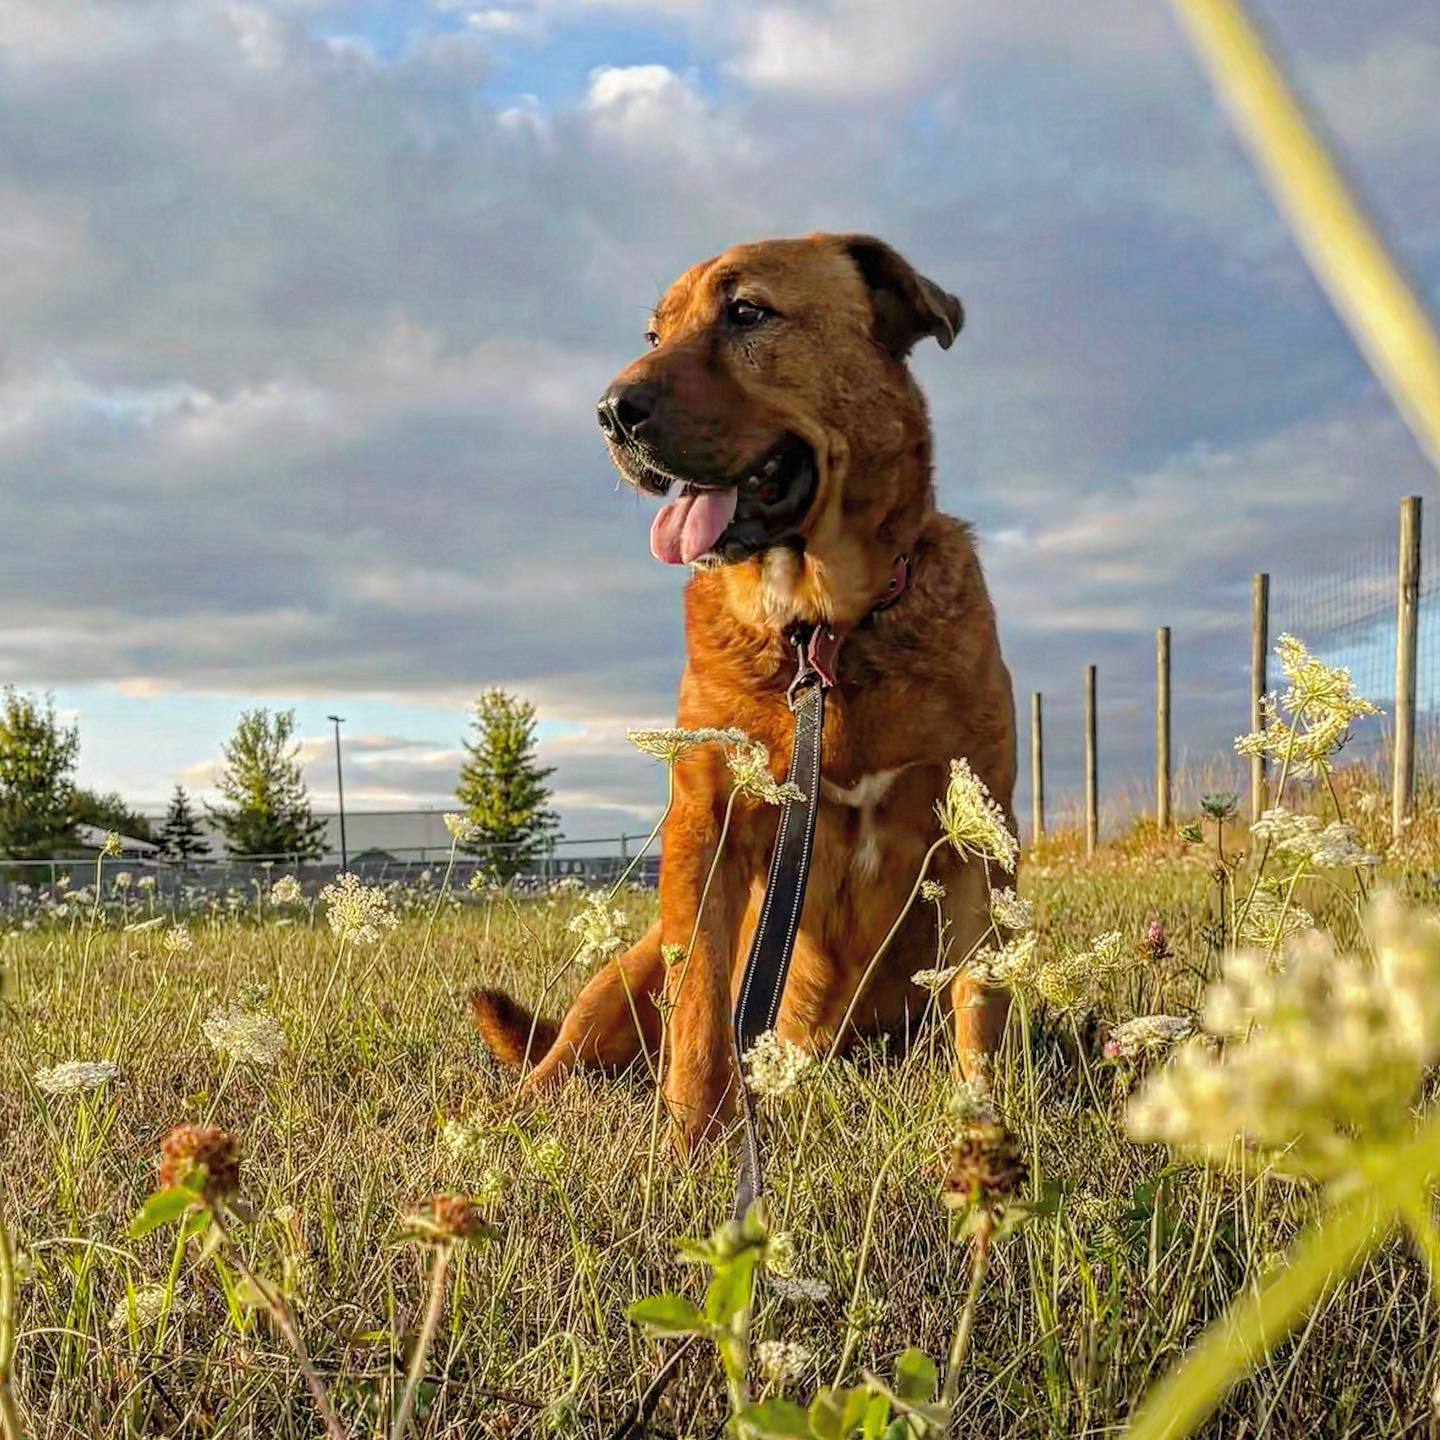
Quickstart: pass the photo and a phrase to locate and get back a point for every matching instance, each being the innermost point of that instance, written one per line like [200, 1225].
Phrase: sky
[306, 306]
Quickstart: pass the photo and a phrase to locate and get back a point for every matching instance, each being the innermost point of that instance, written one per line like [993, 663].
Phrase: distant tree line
[264, 807]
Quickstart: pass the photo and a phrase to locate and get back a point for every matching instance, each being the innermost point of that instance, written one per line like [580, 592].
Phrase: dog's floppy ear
[907, 307]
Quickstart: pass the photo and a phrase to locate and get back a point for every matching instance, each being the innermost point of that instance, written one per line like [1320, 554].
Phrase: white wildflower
[1147, 1035]
[143, 1307]
[932, 891]
[780, 1253]
[782, 1360]
[800, 1290]
[935, 980]
[113, 846]
[286, 891]
[598, 926]
[246, 1035]
[749, 763]
[774, 1065]
[1270, 918]
[1007, 909]
[1321, 704]
[72, 1076]
[1310, 840]
[463, 830]
[177, 941]
[357, 912]
[140, 926]
[671, 744]
[1322, 1059]
[123, 881]
[973, 822]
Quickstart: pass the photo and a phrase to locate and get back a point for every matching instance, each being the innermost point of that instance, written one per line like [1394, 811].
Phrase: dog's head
[774, 408]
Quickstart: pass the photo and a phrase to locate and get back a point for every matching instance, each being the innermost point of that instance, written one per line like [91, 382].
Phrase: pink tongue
[688, 527]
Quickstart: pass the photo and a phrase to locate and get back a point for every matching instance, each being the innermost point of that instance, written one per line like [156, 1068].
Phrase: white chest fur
[865, 795]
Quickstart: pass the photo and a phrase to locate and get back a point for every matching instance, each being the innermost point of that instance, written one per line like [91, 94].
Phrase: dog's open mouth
[720, 522]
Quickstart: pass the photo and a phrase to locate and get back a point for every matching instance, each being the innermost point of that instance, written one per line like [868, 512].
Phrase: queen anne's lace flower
[463, 830]
[799, 1290]
[286, 891]
[1010, 911]
[774, 1066]
[144, 1306]
[73, 1076]
[782, 1360]
[357, 912]
[598, 927]
[1310, 840]
[749, 764]
[1269, 919]
[1321, 704]
[177, 941]
[671, 744]
[1321, 1058]
[1147, 1035]
[972, 821]
[932, 891]
[243, 1034]
[935, 980]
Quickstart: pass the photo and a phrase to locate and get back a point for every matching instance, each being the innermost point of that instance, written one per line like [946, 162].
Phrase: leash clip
[816, 654]
[805, 672]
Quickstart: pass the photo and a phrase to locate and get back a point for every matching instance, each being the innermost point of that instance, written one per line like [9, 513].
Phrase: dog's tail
[509, 1028]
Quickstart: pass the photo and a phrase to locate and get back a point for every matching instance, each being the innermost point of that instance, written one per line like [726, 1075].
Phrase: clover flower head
[201, 1153]
[986, 1169]
[357, 912]
[774, 1066]
[286, 891]
[1155, 945]
[783, 1360]
[973, 822]
[673, 743]
[177, 941]
[1007, 909]
[1322, 1057]
[72, 1076]
[598, 926]
[245, 1034]
[1147, 1035]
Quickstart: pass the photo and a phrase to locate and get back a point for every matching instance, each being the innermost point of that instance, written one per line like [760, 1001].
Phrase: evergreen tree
[181, 837]
[267, 809]
[37, 763]
[502, 786]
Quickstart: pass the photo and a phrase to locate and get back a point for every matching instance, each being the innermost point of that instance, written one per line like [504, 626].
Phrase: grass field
[1083, 1308]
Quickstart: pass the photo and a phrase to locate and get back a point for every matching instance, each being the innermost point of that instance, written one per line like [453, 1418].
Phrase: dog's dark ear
[906, 306]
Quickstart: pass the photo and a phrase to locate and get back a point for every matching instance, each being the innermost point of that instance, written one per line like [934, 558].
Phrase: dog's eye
[746, 314]
[652, 338]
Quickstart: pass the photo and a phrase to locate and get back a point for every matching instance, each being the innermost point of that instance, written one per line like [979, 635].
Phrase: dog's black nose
[625, 408]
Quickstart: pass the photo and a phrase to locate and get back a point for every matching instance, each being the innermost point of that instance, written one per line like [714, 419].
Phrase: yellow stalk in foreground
[1344, 250]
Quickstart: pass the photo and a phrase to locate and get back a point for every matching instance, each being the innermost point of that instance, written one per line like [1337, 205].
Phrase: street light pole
[338, 721]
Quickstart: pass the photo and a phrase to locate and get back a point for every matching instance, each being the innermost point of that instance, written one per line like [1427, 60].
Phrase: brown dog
[776, 411]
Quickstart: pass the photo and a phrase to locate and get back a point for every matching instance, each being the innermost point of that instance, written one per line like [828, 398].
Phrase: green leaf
[668, 1315]
[776, 1417]
[731, 1290]
[877, 1416]
[161, 1208]
[834, 1414]
[915, 1377]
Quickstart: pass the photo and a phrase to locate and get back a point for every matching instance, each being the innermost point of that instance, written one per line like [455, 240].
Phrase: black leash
[773, 943]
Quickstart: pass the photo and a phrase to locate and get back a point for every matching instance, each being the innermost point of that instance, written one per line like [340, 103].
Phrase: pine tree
[37, 765]
[267, 809]
[181, 837]
[502, 786]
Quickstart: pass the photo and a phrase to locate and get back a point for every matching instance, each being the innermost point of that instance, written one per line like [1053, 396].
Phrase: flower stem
[10, 1426]
[960, 1344]
[422, 1344]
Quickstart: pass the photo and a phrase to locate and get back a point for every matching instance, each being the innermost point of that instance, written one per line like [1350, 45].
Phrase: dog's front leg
[700, 1080]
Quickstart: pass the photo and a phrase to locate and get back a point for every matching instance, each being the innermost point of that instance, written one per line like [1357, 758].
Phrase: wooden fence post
[1037, 770]
[1407, 624]
[1092, 767]
[1162, 729]
[1259, 653]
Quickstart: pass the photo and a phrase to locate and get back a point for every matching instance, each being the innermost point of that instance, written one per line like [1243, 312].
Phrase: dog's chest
[864, 798]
